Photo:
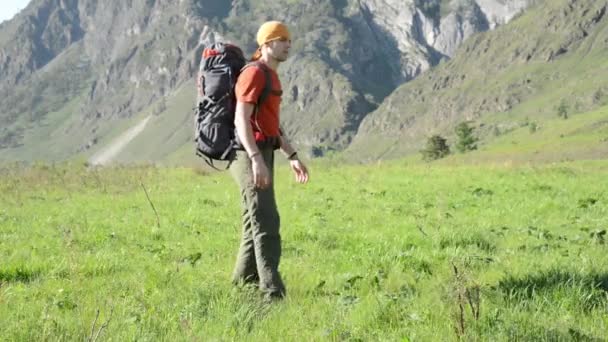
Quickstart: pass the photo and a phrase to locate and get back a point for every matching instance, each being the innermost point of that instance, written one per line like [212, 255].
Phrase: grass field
[396, 251]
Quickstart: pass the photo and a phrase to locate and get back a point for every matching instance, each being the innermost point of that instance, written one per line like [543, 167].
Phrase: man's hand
[261, 175]
[299, 170]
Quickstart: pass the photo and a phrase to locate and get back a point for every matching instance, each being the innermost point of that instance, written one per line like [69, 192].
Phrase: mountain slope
[581, 137]
[555, 53]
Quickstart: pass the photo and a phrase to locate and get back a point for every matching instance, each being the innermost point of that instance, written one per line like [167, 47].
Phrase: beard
[281, 57]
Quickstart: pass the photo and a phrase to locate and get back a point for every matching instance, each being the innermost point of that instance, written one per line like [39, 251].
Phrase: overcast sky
[8, 8]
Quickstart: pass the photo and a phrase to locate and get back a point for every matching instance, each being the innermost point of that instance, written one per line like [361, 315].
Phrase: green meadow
[394, 251]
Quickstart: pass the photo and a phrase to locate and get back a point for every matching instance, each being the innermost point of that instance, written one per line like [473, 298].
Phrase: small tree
[466, 140]
[598, 96]
[533, 128]
[496, 131]
[436, 148]
[562, 110]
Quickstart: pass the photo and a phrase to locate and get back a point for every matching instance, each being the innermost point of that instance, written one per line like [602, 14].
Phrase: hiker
[258, 132]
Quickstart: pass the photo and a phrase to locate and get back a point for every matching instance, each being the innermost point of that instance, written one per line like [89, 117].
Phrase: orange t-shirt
[249, 87]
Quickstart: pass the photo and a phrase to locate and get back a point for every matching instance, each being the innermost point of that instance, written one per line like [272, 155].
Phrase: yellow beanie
[269, 31]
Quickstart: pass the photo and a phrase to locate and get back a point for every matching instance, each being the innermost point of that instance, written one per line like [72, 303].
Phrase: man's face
[279, 49]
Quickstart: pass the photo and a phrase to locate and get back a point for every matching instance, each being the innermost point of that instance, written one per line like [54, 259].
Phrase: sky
[8, 8]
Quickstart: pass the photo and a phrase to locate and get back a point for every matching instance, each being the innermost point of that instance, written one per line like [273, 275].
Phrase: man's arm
[297, 166]
[242, 123]
[286, 147]
[243, 127]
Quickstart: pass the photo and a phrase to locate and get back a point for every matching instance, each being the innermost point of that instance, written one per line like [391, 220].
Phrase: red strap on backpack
[210, 52]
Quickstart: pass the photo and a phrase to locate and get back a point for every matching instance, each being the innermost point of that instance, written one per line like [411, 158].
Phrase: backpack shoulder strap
[268, 79]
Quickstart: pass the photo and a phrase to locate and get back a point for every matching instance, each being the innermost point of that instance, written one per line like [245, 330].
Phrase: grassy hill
[503, 243]
[583, 136]
[554, 54]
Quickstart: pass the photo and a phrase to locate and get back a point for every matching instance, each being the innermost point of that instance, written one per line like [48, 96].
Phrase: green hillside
[555, 54]
[583, 136]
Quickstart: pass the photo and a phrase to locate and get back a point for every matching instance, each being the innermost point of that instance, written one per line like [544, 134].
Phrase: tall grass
[379, 252]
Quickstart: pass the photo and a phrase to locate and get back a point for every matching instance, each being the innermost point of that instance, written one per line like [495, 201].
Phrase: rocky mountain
[75, 74]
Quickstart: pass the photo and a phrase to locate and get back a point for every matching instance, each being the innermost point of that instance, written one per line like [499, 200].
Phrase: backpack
[215, 135]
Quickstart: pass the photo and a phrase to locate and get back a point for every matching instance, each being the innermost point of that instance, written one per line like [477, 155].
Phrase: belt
[268, 142]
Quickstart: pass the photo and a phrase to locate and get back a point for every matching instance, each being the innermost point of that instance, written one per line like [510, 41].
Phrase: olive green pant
[260, 251]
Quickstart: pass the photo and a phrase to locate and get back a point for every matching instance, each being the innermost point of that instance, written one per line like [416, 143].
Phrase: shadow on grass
[591, 288]
[467, 241]
[553, 278]
[19, 275]
[542, 334]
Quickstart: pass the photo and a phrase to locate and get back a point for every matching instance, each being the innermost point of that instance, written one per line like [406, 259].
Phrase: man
[259, 134]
